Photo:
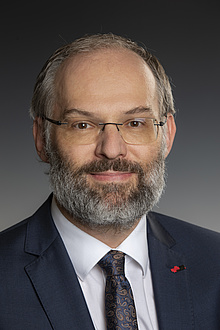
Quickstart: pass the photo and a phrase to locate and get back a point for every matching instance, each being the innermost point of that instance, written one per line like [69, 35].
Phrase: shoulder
[186, 234]
[16, 235]
[177, 226]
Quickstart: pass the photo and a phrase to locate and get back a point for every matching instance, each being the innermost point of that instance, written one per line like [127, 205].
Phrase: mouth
[111, 176]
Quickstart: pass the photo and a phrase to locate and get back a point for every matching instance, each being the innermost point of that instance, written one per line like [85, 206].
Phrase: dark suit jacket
[39, 288]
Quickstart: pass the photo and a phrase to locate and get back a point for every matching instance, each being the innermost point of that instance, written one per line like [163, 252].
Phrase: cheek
[77, 154]
[144, 154]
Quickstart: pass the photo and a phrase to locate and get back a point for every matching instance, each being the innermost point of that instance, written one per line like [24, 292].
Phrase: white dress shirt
[85, 251]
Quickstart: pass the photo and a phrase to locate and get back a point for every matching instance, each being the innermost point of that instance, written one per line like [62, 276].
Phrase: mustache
[117, 165]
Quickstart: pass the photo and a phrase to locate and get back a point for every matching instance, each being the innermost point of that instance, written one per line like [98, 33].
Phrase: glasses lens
[81, 132]
[139, 131]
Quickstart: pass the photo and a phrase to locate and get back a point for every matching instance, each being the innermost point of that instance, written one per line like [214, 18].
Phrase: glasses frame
[59, 123]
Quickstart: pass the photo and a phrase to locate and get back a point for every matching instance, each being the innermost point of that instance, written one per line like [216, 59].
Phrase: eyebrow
[140, 109]
[78, 112]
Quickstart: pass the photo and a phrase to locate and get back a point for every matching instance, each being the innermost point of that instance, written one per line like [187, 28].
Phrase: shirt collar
[135, 245]
[85, 251]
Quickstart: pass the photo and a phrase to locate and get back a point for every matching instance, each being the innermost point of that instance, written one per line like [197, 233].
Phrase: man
[103, 121]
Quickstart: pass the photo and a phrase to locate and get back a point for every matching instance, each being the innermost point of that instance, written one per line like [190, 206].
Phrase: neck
[110, 236]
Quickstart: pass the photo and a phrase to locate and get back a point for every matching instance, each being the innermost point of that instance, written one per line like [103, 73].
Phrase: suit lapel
[171, 289]
[53, 277]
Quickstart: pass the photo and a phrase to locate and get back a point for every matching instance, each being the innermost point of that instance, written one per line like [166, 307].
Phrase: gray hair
[44, 92]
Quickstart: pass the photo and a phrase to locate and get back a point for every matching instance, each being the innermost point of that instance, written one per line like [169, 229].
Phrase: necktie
[119, 301]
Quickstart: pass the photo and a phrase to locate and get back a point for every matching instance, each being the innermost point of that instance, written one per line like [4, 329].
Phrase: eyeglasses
[133, 131]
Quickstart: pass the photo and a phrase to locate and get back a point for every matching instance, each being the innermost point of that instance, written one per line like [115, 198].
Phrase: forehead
[110, 77]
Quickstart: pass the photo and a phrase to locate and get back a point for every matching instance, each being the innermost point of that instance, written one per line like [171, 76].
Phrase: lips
[111, 176]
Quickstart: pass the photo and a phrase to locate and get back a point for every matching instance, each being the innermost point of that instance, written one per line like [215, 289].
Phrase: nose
[110, 144]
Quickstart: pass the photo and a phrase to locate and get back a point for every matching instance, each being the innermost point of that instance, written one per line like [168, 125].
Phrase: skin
[107, 84]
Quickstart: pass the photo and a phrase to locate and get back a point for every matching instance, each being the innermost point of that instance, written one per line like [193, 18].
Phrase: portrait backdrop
[184, 35]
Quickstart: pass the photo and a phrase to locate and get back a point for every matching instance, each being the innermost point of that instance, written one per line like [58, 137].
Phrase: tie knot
[113, 263]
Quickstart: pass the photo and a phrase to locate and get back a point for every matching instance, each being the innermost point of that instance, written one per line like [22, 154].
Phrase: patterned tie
[119, 301]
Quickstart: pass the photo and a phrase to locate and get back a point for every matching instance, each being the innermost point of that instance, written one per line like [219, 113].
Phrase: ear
[39, 139]
[170, 133]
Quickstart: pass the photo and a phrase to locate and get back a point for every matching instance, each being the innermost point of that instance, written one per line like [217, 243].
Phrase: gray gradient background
[184, 35]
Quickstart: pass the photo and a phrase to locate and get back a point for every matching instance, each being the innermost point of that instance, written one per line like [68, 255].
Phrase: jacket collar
[41, 231]
[158, 231]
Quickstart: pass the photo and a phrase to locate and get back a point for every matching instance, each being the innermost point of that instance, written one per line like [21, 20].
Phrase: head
[103, 79]
[44, 96]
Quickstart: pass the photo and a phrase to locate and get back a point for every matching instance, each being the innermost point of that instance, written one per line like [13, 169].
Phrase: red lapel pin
[176, 269]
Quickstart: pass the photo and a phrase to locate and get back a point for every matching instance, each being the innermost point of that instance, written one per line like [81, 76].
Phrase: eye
[81, 125]
[135, 123]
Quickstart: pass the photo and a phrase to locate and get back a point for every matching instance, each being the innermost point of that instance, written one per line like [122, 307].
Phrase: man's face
[109, 86]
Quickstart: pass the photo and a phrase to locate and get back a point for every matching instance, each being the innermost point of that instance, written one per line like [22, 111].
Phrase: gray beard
[113, 205]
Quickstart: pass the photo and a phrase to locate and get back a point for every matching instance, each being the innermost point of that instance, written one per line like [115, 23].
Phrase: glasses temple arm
[56, 122]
